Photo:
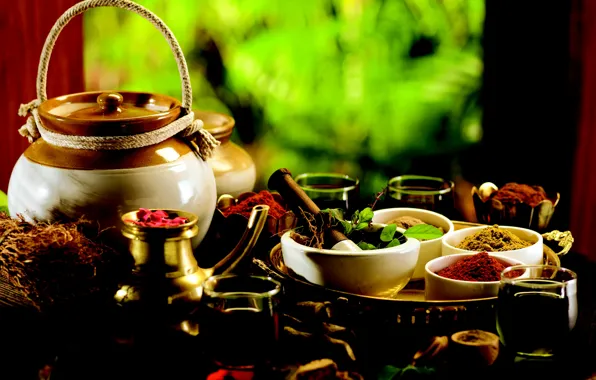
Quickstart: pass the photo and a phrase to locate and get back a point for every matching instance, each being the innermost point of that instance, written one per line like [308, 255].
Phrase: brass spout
[256, 222]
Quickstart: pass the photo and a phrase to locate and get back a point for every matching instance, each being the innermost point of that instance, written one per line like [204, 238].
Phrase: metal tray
[412, 294]
[407, 316]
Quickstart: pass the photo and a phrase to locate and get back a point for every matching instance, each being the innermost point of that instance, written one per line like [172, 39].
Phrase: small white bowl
[429, 249]
[531, 255]
[377, 272]
[442, 288]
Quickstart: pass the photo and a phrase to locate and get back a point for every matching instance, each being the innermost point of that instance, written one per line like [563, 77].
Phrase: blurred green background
[363, 87]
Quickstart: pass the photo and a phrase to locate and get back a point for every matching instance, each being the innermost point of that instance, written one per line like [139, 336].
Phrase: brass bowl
[492, 211]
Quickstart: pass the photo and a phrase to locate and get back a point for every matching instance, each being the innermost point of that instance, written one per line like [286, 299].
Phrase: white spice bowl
[531, 255]
[378, 272]
[439, 288]
[429, 249]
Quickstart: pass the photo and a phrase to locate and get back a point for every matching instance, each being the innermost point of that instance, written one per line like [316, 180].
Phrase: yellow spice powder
[493, 239]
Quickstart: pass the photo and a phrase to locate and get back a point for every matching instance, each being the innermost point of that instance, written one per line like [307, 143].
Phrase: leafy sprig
[362, 219]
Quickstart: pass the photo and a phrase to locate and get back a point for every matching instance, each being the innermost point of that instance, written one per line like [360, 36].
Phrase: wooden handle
[283, 182]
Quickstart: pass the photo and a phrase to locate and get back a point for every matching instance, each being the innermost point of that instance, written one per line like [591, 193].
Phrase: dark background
[530, 99]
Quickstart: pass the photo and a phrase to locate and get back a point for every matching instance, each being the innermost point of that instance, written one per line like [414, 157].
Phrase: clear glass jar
[233, 167]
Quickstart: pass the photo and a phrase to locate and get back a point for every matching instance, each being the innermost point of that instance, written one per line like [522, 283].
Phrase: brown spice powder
[513, 193]
[493, 239]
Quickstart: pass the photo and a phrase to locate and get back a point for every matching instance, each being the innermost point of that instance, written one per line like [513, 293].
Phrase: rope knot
[193, 128]
[26, 108]
[204, 141]
[207, 143]
[29, 130]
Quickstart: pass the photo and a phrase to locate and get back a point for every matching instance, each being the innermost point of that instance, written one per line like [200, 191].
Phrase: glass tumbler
[331, 190]
[536, 309]
[238, 321]
[417, 191]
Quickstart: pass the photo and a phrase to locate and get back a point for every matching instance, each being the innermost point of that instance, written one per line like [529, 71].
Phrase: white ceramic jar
[101, 155]
[233, 167]
[52, 182]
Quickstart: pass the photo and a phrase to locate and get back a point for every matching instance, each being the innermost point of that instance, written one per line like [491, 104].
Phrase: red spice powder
[264, 197]
[515, 193]
[157, 218]
[479, 267]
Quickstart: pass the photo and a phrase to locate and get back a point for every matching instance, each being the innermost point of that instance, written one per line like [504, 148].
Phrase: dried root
[334, 347]
[48, 262]
[314, 236]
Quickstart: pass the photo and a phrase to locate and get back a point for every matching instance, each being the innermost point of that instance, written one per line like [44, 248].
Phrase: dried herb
[315, 226]
[51, 262]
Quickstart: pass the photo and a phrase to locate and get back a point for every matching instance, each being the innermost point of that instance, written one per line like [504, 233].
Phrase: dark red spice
[157, 218]
[264, 197]
[478, 267]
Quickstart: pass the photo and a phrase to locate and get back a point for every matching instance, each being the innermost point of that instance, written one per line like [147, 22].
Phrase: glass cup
[536, 309]
[417, 191]
[331, 190]
[238, 321]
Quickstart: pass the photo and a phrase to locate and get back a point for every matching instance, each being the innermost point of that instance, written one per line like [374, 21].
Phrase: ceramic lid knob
[110, 101]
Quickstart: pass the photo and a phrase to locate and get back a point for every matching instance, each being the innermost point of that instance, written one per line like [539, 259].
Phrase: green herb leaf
[361, 226]
[334, 212]
[366, 216]
[409, 372]
[355, 217]
[388, 232]
[348, 227]
[389, 373]
[423, 232]
[393, 243]
[366, 246]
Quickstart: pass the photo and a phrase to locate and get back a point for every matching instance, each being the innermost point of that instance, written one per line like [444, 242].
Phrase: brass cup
[163, 257]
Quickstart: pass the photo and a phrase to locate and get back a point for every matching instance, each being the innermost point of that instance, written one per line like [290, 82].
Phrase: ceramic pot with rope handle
[103, 154]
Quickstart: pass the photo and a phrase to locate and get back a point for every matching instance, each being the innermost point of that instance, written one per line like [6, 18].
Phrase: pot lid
[108, 113]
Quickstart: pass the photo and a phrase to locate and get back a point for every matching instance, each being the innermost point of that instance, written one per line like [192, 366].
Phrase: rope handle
[204, 143]
[72, 12]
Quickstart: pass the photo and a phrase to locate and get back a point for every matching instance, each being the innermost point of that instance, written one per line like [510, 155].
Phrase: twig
[378, 196]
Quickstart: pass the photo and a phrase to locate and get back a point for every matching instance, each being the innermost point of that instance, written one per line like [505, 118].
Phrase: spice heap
[479, 267]
[406, 222]
[157, 218]
[52, 262]
[513, 193]
[493, 239]
[245, 207]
